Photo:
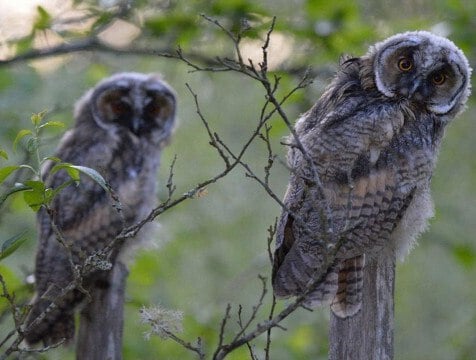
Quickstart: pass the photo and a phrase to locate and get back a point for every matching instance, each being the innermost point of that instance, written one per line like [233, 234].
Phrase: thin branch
[195, 348]
[14, 347]
[213, 137]
[170, 184]
[271, 156]
[222, 330]
[92, 43]
[8, 337]
[235, 39]
[318, 276]
[75, 268]
[267, 349]
[264, 63]
[242, 327]
[254, 313]
[271, 233]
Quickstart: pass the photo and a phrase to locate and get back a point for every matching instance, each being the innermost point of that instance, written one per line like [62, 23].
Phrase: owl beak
[136, 125]
[415, 87]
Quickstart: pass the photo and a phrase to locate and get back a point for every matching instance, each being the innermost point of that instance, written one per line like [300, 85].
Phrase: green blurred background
[209, 251]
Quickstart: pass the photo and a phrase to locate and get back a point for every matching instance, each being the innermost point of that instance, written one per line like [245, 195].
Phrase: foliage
[35, 192]
[212, 248]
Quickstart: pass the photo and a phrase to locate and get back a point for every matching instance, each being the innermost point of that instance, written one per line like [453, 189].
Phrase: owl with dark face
[121, 126]
[360, 181]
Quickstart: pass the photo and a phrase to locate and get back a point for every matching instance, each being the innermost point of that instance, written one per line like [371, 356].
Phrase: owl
[121, 126]
[361, 161]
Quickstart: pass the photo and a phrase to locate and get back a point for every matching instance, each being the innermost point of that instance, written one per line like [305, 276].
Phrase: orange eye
[405, 64]
[438, 78]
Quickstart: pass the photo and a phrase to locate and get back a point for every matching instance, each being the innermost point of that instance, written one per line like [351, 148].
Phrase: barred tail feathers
[348, 298]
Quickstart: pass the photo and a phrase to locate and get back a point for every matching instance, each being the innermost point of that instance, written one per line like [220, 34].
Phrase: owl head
[142, 105]
[424, 68]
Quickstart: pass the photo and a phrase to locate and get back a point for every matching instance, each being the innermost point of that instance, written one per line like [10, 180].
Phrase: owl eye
[405, 64]
[438, 78]
[152, 109]
[120, 108]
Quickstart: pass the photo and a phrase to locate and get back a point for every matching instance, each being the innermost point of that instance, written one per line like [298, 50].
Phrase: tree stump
[101, 321]
[368, 335]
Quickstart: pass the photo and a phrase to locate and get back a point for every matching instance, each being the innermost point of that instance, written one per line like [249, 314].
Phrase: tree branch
[93, 44]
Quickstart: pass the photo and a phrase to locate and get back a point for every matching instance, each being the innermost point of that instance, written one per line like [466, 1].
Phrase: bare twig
[263, 327]
[222, 330]
[170, 184]
[271, 233]
[213, 136]
[268, 332]
[271, 156]
[198, 349]
[254, 313]
[236, 39]
[92, 43]
[242, 327]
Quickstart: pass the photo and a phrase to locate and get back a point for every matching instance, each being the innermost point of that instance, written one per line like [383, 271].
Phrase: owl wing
[82, 212]
[361, 198]
[87, 221]
[86, 226]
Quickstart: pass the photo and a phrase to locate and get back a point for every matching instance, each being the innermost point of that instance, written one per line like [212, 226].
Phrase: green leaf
[10, 245]
[32, 144]
[21, 134]
[35, 197]
[24, 166]
[35, 119]
[3, 154]
[43, 19]
[50, 195]
[52, 124]
[13, 282]
[36, 185]
[16, 188]
[74, 170]
[182, 26]
[38, 117]
[6, 171]
[73, 173]
[50, 158]
[93, 174]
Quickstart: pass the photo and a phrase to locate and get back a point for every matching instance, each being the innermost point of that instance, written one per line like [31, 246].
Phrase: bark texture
[101, 321]
[368, 335]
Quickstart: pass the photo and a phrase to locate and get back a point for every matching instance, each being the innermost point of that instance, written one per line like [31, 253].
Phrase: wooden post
[101, 321]
[369, 334]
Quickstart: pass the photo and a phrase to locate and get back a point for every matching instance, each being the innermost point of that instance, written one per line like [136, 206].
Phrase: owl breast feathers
[361, 166]
[120, 128]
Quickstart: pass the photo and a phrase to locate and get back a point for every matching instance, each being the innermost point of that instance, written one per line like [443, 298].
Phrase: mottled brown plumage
[121, 126]
[371, 140]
